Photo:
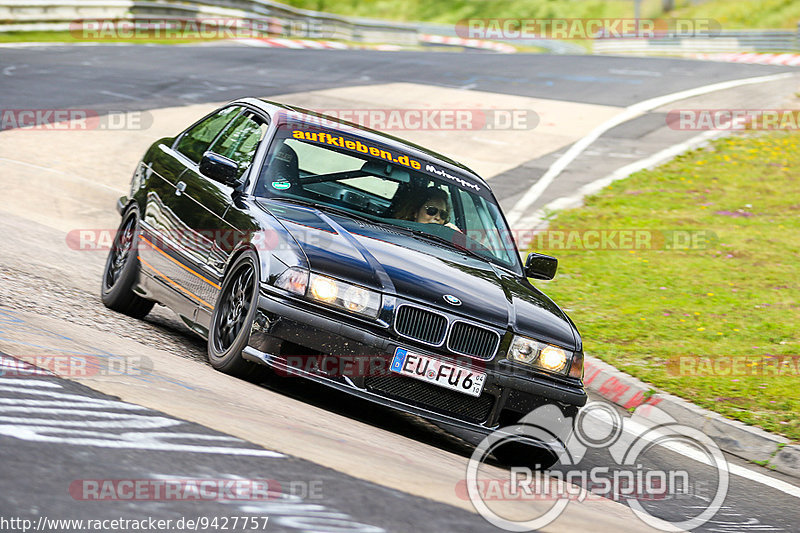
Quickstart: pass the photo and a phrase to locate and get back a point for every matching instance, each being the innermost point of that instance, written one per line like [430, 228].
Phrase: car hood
[423, 272]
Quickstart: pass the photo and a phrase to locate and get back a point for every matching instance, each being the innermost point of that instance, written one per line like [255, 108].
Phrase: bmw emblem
[452, 300]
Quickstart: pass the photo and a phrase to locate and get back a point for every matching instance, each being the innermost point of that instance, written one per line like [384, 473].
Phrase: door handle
[179, 188]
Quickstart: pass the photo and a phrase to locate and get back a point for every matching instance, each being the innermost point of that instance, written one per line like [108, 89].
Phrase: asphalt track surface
[36, 472]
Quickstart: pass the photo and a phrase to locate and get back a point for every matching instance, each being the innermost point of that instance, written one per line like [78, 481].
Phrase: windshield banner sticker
[357, 146]
[443, 173]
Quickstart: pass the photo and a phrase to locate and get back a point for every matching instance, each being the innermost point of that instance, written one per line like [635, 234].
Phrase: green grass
[455, 10]
[740, 14]
[737, 296]
[730, 14]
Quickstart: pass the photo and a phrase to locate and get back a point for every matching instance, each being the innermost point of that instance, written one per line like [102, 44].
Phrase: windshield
[346, 173]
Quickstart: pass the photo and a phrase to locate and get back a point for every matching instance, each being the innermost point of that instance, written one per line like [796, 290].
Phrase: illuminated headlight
[340, 294]
[293, 280]
[324, 289]
[553, 359]
[533, 353]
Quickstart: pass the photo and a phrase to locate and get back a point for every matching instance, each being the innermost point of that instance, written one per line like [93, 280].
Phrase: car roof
[388, 140]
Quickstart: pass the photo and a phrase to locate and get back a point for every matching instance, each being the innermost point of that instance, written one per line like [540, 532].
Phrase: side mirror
[220, 168]
[540, 266]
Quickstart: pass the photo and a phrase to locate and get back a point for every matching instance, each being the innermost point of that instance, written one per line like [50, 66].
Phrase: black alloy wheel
[233, 316]
[121, 272]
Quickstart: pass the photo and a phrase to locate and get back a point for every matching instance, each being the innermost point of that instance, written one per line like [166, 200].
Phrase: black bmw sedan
[337, 253]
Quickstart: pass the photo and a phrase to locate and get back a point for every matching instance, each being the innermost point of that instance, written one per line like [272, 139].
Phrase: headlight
[344, 295]
[330, 291]
[553, 359]
[324, 289]
[537, 354]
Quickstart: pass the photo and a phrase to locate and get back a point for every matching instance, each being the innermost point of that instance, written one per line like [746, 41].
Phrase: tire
[519, 454]
[234, 312]
[122, 271]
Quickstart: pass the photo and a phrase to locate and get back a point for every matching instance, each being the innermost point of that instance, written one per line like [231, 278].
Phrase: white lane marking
[8, 71]
[120, 95]
[518, 211]
[130, 440]
[65, 174]
[113, 420]
[112, 430]
[642, 431]
[726, 521]
[534, 219]
[31, 382]
[14, 367]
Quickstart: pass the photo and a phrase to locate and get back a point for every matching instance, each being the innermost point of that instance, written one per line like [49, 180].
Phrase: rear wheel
[233, 316]
[122, 271]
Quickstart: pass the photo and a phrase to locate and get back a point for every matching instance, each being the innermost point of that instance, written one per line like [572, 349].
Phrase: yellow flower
[701, 329]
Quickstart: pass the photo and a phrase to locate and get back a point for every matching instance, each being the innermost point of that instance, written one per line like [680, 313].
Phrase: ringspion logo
[623, 477]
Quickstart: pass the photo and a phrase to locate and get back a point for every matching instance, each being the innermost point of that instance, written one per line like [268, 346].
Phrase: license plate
[441, 373]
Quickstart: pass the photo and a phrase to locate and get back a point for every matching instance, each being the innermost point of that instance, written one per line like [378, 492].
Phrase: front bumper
[284, 333]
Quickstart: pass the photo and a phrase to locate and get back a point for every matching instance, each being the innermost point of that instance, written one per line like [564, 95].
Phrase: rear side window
[194, 143]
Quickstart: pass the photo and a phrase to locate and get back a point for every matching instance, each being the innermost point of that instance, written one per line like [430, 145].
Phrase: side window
[482, 220]
[195, 142]
[471, 216]
[240, 140]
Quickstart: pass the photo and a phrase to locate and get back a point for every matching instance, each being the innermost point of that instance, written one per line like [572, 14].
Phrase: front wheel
[122, 271]
[233, 316]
